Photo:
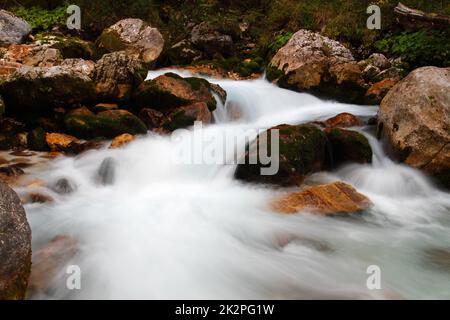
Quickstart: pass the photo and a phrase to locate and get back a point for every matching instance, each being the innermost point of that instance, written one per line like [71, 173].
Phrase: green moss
[150, 94]
[273, 73]
[76, 48]
[42, 19]
[110, 40]
[349, 146]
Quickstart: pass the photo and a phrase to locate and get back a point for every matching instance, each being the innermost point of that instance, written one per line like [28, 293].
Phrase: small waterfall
[165, 230]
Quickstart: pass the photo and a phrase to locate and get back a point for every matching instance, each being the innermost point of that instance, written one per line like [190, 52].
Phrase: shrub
[42, 19]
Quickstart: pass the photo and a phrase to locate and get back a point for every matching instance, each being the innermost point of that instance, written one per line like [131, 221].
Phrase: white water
[167, 231]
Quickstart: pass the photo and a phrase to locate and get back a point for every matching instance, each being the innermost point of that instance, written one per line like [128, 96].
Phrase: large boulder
[106, 124]
[211, 41]
[37, 88]
[303, 150]
[115, 76]
[414, 120]
[135, 37]
[170, 91]
[328, 199]
[313, 63]
[15, 246]
[13, 30]
[186, 116]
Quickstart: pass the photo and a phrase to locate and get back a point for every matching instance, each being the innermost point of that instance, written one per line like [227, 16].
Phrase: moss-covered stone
[111, 41]
[303, 150]
[107, 124]
[170, 91]
[348, 146]
[71, 48]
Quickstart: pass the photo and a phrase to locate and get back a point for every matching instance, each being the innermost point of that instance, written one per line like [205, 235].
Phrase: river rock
[135, 37]
[348, 146]
[106, 124]
[82, 66]
[183, 53]
[170, 91]
[211, 41]
[61, 142]
[303, 150]
[13, 29]
[185, 116]
[343, 120]
[328, 199]
[376, 93]
[37, 140]
[38, 88]
[15, 246]
[33, 55]
[122, 140]
[152, 118]
[313, 63]
[115, 76]
[414, 120]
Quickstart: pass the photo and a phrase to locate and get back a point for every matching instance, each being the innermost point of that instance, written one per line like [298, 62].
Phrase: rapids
[162, 230]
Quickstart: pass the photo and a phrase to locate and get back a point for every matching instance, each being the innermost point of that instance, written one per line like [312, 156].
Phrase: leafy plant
[419, 48]
[42, 19]
[279, 42]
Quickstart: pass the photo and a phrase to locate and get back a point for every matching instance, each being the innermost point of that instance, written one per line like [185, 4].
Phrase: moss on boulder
[348, 146]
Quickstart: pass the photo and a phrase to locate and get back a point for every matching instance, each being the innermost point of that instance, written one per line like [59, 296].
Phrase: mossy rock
[111, 41]
[349, 146]
[72, 48]
[36, 140]
[106, 124]
[303, 149]
[170, 91]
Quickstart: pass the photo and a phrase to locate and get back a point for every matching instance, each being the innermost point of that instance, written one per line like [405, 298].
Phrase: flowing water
[162, 230]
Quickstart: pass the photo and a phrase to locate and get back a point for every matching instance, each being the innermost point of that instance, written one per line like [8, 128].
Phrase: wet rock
[170, 91]
[303, 150]
[105, 107]
[313, 63]
[15, 246]
[106, 124]
[348, 146]
[413, 119]
[391, 73]
[64, 186]
[152, 118]
[376, 93]
[36, 197]
[343, 120]
[186, 116]
[211, 41]
[13, 29]
[135, 37]
[11, 171]
[115, 76]
[51, 261]
[106, 173]
[439, 258]
[122, 140]
[61, 142]
[329, 199]
[36, 88]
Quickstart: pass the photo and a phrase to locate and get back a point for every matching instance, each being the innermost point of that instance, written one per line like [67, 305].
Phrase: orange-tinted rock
[329, 199]
[379, 90]
[36, 197]
[122, 140]
[343, 120]
[61, 142]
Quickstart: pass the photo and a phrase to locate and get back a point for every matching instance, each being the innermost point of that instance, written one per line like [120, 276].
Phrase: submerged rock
[314, 63]
[303, 150]
[64, 186]
[186, 116]
[13, 29]
[15, 246]
[348, 146]
[329, 199]
[106, 173]
[51, 261]
[135, 37]
[343, 120]
[414, 120]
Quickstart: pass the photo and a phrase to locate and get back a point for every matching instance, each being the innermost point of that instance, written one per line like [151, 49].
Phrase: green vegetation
[418, 48]
[42, 19]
